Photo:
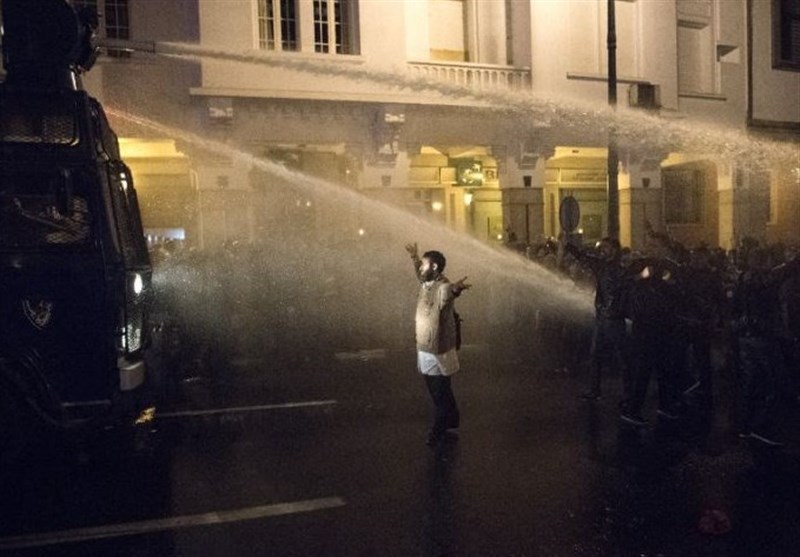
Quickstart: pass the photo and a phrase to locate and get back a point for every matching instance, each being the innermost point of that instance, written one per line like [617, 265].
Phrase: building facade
[338, 95]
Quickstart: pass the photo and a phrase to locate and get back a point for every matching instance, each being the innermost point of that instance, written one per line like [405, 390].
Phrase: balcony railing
[480, 76]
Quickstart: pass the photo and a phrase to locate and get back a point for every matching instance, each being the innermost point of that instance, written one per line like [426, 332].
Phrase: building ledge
[706, 96]
[580, 76]
[344, 96]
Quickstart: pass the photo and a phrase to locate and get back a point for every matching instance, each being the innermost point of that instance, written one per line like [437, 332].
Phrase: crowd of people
[663, 312]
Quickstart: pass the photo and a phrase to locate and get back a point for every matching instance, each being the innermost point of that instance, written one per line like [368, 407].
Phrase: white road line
[173, 523]
[239, 409]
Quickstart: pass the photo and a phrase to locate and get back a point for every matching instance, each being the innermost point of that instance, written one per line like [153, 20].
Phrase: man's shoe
[633, 419]
[590, 395]
[766, 440]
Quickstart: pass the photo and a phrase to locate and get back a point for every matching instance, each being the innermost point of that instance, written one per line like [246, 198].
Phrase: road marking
[239, 409]
[363, 355]
[148, 526]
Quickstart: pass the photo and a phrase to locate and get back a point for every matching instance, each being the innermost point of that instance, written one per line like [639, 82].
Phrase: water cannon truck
[75, 274]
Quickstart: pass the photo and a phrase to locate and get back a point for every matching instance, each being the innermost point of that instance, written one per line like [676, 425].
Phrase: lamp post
[613, 156]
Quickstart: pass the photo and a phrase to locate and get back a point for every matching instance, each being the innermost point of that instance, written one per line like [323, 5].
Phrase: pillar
[522, 179]
[743, 204]
[640, 198]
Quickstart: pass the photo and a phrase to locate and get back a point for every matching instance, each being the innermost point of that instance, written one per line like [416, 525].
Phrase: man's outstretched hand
[412, 249]
[461, 285]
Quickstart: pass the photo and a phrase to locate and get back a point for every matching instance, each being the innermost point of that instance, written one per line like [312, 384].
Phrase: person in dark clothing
[652, 304]
[704, 297]
[609, 338]
[757, 327]
[789, 296]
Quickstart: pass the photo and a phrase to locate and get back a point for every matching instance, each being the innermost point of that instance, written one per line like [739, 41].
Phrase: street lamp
[613, 156]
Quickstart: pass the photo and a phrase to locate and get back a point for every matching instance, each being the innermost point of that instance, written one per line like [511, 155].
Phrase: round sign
[569, 214]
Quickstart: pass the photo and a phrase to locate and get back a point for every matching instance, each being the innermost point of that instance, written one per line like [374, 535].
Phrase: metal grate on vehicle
[43, 120]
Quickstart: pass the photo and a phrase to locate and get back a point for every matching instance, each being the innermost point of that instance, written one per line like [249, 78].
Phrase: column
[522, 178]
[743, 204]
[640, 198]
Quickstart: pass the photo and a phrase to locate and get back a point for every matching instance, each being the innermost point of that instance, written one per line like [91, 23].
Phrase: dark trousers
[446, 409]
[701, 362]
[791, 366]
[609, 340]
[757, 384]
[655, 355]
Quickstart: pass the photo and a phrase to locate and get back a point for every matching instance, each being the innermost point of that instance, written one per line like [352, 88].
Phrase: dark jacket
[654, 303]
[757, 304]
[611, 283]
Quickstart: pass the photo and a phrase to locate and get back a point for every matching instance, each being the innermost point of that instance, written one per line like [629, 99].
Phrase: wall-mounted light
[437, 206]
[361, 231]
[468, 196]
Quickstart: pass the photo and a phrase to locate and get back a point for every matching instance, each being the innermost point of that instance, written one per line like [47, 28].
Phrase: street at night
[338, 446]
[400, 278]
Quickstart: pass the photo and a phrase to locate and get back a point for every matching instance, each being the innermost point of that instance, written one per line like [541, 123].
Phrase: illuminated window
[335, 24]
[277, 25]
[786, 34]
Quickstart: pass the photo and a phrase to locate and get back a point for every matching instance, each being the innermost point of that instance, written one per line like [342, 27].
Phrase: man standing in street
[436, 336]
[609, 339]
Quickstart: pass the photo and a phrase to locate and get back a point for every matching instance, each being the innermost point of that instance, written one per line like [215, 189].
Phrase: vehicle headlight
[137, 284]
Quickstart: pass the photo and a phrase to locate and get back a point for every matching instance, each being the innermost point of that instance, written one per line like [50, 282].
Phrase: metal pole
[613, 156]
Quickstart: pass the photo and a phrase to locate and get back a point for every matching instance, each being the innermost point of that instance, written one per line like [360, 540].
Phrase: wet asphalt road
[246, 471]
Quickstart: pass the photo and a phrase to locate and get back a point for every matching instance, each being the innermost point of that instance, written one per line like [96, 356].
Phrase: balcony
[479, 76]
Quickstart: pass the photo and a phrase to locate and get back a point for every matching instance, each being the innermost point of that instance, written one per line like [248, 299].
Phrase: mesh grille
[134, 327]
[37, 120]
[134, 330]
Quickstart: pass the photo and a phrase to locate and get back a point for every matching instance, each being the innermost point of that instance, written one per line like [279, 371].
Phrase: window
[697, 63]
[114, 20]
[448, 30]
[683, 196]
[786, 34]
[277, 25]
[761, 195]
[334, 26]
[115, 15]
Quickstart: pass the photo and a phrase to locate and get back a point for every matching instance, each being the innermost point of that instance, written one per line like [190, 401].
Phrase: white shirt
[438, 364]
